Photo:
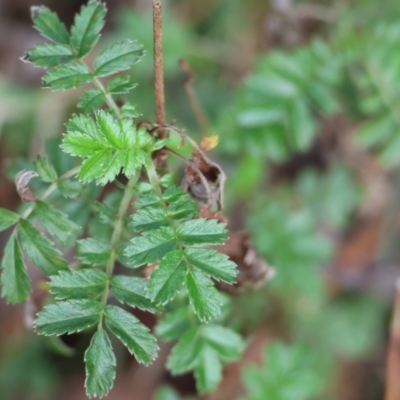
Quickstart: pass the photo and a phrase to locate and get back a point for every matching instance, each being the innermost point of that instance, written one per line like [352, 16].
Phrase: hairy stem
[109, 100]
[158, 66]
[117, 233]
[153, 178]
[51, 189]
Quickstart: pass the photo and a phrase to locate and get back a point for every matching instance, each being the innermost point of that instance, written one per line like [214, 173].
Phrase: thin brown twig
[195, 105]
[158, 66]
[393, 358]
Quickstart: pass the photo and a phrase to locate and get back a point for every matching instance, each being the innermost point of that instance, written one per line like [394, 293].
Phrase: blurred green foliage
[289, 373]
[351, 68]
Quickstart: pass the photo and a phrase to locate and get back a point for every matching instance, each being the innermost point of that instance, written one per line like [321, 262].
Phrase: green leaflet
[111, 130]
[69, 188]
[87, 26]
[203, 296]
[102, 166]
[174, 325]
[67, 77]
[105, 213]
[49, 55]
[100, 364]
[119, 57]
[165, 392]
[129, 110]
[56, 222]
[149, 218]
[86, 125]
[212, 263]
[40, 249]
[287, 372]
[46, 171]
[68, 317]
[184, 355]
[202, 231]
[7, 219]
[82, 145]
[168, 278]
[91, 100]
[227, 343]
[49, 25]
[78, 284]
[132, 291]
[152, 246]
[196, 350]
[93, 251]
[133, 334]
[183, 210]
[120, 85]
[14, 277]
[208, 371]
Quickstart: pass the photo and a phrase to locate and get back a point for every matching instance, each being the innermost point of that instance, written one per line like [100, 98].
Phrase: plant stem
[194, 102]
[109, 100]
[153, 178]
[116, 235]
[51, 189]
[158, 66]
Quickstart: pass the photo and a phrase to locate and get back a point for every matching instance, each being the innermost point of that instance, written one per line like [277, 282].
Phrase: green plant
[274, 114]
[288, 373]
[163, 232]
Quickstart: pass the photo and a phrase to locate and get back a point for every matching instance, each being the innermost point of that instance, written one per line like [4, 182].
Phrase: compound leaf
[100, 364]
[68, 317]
[78, 284]
[108, 146]
[119, 57]
[132, 333]
[204, 349]
[14, 278]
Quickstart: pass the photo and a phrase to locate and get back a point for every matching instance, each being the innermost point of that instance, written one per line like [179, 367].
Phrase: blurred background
[305, 98]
